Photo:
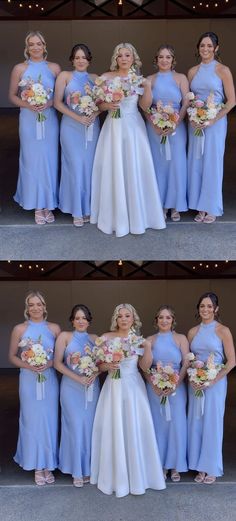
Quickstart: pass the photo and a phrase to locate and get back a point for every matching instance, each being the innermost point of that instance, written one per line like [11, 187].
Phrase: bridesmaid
[170, 87]
[77, 409]
[170, 347]
[38, 424]
[38, 164]
[77, 149]
[205, 174]
[205, 434]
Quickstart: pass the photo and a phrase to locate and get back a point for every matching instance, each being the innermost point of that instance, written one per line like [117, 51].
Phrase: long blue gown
[77, 415]
[205, 433]
[205, 173]
[171, 435]
[77, 154]
[37, 185]
[37, 446]
[171, 174]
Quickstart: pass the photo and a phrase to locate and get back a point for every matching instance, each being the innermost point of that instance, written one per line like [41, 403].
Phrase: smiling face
[164, 60]
[80, 322]
[207, 50]
[35, 309]
[35, 48]
[207, 310]
[125, 59]
[124, 320]
[164, 321]
[80, 62]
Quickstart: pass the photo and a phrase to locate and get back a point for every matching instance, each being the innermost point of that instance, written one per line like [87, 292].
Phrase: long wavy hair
[137, 324]
[137, 64]
[39, 295]
[42, 39]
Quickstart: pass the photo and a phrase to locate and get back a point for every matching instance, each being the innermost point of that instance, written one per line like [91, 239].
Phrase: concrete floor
[22, 240]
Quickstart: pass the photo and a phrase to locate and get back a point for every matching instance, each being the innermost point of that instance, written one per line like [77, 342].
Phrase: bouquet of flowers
[84, 364]
[35, 94]
[116, 89]
[164, 117]
[201, 372]
[164, 377]
[34, 354]
[82, 104]
[202, 111]
[117, 349]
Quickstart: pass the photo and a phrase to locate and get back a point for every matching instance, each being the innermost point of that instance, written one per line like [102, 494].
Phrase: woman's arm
[225, 335]
[14, 359]
[184, 88]
[15, 78]
[225, 74]
[61, 83]
[184, 348]
[145, 361]
[145, 100]
[61, 344]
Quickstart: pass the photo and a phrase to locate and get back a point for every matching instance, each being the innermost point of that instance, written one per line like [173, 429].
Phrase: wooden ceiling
[116, 270]
[90, 9]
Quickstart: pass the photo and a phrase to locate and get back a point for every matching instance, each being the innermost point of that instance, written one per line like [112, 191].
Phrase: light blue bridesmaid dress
[205, 432]
[37, 446]
[77, 415]
[171, 435]
[171, 174]
[37, 185]
[205, 172]
[77, 154]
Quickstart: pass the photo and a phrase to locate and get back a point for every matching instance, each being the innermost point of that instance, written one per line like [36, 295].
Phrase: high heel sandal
[175, 476]
[39, 477]
[86, 218]
[78, 482]
[199, 478]
[208, 480]
[175, 216]
[49, 477]
[39, 217]
[49, 217]
[78, 222]
[209, 219]
[199, 218]
[86, 479]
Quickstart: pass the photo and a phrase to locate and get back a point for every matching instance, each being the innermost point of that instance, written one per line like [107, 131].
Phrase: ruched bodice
[166, 350]
[206, 81]
[165, 89]
[206, 341]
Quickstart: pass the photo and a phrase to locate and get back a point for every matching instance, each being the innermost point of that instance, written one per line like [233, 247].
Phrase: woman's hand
[86, 380]
[86, 120]
[38, 368]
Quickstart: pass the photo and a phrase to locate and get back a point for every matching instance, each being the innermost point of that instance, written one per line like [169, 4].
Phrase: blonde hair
[30, 295]
[137, 62]
[137, 324]
[42, 39]
[172, 313]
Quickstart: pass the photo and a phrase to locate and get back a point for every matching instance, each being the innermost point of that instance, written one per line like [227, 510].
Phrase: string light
[120, 263]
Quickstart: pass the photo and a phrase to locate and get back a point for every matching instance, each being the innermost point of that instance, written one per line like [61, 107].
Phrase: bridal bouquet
[164, 117]
[201, 372]
[82, 104]
[35, 94]
[35, 355]
[117, 349]
[164, 377]
[84, 364]
[202, 111]
[117, 88]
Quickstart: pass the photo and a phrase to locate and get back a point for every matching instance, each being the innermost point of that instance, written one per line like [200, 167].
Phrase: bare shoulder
[19, 68]
[192, 332]
[151, 338]
[180, 76]
[93, 76]
[179, 337]
[93, 337]
[110, 334]
[65, 336]
[223, 331]
[19, 329]
[55, 328]
[192, 72]
[109, 74]
[223, 71]
[54, 67]
[65, 75]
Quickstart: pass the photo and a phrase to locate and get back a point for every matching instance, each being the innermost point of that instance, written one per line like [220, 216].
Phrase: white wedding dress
[125, 457]
[125, 197]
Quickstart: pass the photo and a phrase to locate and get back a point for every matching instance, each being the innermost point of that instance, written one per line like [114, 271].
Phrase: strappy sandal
[39, 217]
[199, 478]
[86, 479]
[209, 219]
[78, 482]
[86, 218]
[39, 477]
[175, 216]
[78, 222]
[208, 480]
[175, 476]
[49, 477]
[49, 217]
[199, 218]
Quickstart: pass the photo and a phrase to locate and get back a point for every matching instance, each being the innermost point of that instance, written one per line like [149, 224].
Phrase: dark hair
[171, 50]
[214, 299]
[83, 308]
[172, 313]
[83, 48]
[215, 42]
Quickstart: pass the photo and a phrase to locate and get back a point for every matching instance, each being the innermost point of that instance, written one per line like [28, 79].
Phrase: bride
[125, 457]
[125, 196]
